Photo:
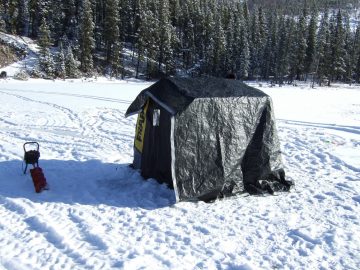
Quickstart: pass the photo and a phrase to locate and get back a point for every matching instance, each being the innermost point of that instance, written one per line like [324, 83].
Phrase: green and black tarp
[207, 138]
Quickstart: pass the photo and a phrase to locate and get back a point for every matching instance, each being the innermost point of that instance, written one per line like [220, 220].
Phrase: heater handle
[27, 143]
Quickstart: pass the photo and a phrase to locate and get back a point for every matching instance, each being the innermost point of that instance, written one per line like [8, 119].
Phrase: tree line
[154, 38]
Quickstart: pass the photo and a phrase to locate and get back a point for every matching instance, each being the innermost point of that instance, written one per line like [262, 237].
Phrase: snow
[30, 60]
[100, 214]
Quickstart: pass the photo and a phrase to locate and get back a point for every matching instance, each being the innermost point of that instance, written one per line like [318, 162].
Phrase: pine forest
[277, 41]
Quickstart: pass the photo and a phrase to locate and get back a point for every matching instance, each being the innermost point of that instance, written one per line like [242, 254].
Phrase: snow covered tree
[187, 20]
[47, 64]
[46, 61]
[246, 18]
[60, 69]
[338, 53]
[147, 41]
[87, 42]
[139, 33]
[310, 44]
[268, 57]
[112, 36]
[166, 39]
[71, 65]
[301, 45]
[323, 49]
[350, 51]
[38, 10]
[357, 54]
[217, 47]
[357, 68]
[70, 21]
[281, 51]
[229, 25]
[111, 27]
[244, 58]
[255, 48]
[44, 39]
[22, 18]
[11, 7]
[2, 17]
[292, 50]
[56, 19]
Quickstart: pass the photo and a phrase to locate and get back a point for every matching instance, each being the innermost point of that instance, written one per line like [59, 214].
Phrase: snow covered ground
[100, 214]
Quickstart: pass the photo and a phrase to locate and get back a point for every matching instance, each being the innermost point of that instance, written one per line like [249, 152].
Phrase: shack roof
[176, 93]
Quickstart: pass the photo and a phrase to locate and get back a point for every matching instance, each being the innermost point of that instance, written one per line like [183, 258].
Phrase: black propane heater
[31, 156]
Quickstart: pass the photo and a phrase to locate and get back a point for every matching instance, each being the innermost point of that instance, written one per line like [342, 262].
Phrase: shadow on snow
[89, 183]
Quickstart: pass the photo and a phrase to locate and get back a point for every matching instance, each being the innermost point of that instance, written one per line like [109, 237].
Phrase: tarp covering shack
[207, 138]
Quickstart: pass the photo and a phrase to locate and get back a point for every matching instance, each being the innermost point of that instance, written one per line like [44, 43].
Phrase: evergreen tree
[70, 21]
[12, 11]
[229, 49]
[255, 48]
[349, 50]
[47, 64]
[323, 49]
[87, 42]
[56, 18]
[338, 53]
[166, 39]
[208, 42]
[262, 41]
[147, 38]
[116, 60]
[268, 61]
[310, 44]
[38, 10]
[292, 45]
[112, 36]
[22, 18]
[217, 52]
[150, 39]
[139, 33]
[281, 52]
[246, 17]
[46, 61]
[71, 65]
[111, 28]
[199, 32]
[44, 40]
[244, 58]
[34, 19]
[2, 17]
[301, 45]
[60, 63]
[357, 55]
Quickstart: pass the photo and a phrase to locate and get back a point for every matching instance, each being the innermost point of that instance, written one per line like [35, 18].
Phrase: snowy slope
[25, 43]
[100, 214]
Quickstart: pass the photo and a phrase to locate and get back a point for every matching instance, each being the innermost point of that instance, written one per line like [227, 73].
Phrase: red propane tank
[38, 178]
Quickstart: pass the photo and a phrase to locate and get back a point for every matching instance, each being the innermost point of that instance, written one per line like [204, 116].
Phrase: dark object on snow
[31, 156]
[3, 75]
[39, 179]
[207, 138]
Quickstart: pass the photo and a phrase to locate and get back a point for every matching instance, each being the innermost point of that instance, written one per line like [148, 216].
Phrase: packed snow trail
[100, 214]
